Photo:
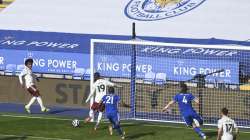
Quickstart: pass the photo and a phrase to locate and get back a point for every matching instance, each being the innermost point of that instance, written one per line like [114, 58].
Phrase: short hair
[111, 90]
[224, 111]
[29, 60]
[183, 87]
[97, 75]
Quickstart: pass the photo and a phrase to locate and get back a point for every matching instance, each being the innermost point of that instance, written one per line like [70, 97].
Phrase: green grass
[45, 128]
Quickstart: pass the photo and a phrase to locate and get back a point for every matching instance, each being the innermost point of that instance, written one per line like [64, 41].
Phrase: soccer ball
[75, 123]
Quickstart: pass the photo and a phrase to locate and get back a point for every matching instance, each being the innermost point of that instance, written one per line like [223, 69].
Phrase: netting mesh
[213, 74]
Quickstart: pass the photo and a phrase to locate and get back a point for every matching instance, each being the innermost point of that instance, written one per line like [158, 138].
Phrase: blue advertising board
[44, 62]
[175, 69]
[62, 53]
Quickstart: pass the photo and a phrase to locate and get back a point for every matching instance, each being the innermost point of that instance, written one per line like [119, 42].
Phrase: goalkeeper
[184, 100]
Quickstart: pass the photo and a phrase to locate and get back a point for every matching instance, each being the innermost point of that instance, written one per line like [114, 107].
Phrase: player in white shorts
[99, 87]
[227, 128]
[29, 80]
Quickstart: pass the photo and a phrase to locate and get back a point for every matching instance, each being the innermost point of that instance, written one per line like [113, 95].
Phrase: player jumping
[111, 103]
[100, 88]
[226, 126]
[30, 85]
[184, 100]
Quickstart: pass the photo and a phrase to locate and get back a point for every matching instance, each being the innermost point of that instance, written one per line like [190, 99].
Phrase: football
[75, 123]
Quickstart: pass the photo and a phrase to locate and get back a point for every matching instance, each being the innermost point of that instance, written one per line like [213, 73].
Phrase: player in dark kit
[111, 108]
[190, 116]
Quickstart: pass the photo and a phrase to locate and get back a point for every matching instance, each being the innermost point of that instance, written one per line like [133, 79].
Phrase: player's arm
[220, 130]
[168, 105]
[91, 93]
[20, 76]
[36, 77]
[122, 103]
[112, 84]
[196, 100]
[219, 133]
[236, 132]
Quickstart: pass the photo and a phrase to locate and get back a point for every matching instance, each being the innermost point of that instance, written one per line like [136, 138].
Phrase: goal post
[214, 73]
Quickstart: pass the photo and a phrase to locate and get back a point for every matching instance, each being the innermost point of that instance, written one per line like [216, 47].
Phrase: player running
[30, 85]
[184, 100]
[100, 89]
[111, 103]
[226, 127]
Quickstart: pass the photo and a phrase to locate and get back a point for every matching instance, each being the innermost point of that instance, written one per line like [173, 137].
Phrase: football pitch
[47, 127]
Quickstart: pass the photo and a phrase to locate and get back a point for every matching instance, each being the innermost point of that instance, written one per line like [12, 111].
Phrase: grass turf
[29, 128]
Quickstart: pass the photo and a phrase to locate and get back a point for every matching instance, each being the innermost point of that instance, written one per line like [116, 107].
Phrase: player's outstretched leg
[90, 118]
[110, 130]
[199, 132]
[98, 120]
[40, 102]
[116, 126]
[197, 121]
[27, 107]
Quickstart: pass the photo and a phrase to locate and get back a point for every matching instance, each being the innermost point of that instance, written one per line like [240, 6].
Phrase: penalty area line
[33, 137]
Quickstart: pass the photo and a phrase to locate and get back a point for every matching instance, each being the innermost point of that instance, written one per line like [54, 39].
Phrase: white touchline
[61, 119]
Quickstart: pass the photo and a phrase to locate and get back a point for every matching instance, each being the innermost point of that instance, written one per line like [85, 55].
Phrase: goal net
[150, 73]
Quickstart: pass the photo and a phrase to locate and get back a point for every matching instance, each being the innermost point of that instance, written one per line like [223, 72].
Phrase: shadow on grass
[138, 135]
[211, 134]
[14, 138]
[62, 110]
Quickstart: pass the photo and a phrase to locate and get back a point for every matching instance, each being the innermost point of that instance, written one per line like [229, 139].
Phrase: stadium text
[54, 63]
[1, 60]
[39, 44]
[123, 67]
[193, 71]
[203, 51]
[66, 90]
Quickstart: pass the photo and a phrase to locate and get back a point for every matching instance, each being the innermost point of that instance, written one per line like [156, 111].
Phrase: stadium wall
[55, 92]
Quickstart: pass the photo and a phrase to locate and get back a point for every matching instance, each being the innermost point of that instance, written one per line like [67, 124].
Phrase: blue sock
[198, 131]
[119, 130]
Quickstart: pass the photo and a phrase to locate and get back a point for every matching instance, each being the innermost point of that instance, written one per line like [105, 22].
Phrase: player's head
[28, 62]
[224, 111]
[97, 76]
[183, 87]
[111, 90]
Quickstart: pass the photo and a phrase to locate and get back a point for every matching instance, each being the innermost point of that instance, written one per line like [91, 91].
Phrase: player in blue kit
[111, 108]
[184, 100]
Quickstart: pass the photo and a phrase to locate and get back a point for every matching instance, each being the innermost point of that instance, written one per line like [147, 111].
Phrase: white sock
[39, 100]
[32, 100]
[99, 118]
[91, 115]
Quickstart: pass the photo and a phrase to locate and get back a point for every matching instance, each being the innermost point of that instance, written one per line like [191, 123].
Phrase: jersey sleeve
[235, 125]
[108, 83]
[118, 98]
[191, 97]
[20, 76]
[175, 98]
[220, 124]
[91, 93]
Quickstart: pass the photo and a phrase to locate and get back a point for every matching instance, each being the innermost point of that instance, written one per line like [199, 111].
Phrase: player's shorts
[114, 118]
[227, 137]
[189, 119]
[33, 91]
[98, 107]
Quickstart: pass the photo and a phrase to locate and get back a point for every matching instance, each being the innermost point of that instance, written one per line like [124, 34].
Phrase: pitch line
[150, 125]
[33, 137]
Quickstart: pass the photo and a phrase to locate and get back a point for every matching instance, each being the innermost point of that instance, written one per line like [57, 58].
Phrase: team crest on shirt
[150, 10]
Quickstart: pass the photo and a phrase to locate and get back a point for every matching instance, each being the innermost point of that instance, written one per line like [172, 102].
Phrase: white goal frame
[161, 44]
